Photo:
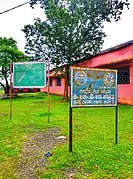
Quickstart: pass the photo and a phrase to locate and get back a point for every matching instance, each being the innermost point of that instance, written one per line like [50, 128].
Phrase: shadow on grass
[45, 114]
[29, 96]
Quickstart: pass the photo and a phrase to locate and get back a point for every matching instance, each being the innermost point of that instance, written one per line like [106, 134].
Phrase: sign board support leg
[116, 137]
[48, 90]
[70, 129]
[10, 92]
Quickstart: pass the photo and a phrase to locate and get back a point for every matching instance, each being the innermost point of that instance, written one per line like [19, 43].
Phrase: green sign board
[29, 74]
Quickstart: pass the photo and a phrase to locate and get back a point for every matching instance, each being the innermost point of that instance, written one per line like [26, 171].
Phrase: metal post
[70, 129]
[116, 117]
[116, 137]
[10, 90]
[48, 90]
[70, 117]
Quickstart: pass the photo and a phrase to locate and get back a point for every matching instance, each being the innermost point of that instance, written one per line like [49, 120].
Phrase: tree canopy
[8, 53]
[73, 29]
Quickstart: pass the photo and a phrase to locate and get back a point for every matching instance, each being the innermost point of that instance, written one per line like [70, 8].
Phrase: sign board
[93, 87]
[29, 74]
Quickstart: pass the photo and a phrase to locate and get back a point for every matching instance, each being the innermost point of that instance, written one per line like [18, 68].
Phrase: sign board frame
[82, 70]
[30, 63]
[81, 106]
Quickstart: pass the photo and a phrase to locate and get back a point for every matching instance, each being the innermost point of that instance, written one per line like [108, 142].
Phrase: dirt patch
[33, 160]
[70, 173]
[3, 114]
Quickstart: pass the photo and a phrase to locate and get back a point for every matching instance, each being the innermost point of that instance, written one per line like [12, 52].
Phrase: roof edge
[111, 49]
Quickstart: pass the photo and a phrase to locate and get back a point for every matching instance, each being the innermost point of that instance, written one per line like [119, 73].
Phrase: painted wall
[125, 91]
[59, 90]
[124, 54]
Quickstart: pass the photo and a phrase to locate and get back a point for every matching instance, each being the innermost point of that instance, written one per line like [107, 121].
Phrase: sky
[12, 22]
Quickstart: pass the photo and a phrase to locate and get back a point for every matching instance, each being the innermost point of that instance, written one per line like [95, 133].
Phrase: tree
[8, 53]
[73, 29]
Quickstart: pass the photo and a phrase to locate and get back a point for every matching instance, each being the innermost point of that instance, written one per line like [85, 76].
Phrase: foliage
[73, 29]
[94, 153]
[8, 53]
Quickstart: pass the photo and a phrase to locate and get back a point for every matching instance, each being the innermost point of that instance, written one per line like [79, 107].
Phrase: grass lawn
[94, 153]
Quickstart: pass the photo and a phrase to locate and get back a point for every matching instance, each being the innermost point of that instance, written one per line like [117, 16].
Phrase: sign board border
[87, 106]
[33, 62]
[95, 69]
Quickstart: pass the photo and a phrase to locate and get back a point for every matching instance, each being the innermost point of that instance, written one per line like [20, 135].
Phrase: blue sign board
[93, 87]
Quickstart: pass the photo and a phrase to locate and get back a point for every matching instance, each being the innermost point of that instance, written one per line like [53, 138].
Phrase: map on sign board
[93, 87]
[29, 74]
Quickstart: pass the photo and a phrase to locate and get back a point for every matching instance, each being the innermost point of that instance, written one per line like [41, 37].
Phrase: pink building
[119, 57]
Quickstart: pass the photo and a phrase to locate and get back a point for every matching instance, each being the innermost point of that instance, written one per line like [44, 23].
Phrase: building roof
[125, 44]
[114, 48]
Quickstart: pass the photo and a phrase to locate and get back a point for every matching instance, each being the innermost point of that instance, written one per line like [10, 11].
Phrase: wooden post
[10, 91]
[70, 116]
[48, 90]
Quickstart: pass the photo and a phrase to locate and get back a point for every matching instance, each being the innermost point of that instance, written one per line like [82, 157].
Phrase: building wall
[109, 60]
[117, 56]
[114, 60]
[125, 91]
[59, 90]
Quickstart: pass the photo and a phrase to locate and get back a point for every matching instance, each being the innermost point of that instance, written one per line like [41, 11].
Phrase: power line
[14, 7]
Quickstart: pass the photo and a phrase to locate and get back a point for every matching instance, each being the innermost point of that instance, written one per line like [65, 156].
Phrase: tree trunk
[3, 87]
[7, 85]
[65, 95]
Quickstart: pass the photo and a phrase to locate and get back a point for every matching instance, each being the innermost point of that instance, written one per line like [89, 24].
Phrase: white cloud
[121, 31]
[12, 22]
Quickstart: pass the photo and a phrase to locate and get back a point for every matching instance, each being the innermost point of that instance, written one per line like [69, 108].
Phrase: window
[124, 75]
[58, 82]
[50, 82]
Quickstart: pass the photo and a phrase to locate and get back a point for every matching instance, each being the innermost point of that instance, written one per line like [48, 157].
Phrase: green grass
[94, 153]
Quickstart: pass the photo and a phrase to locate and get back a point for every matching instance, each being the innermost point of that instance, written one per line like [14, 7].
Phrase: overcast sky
[12, 22]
